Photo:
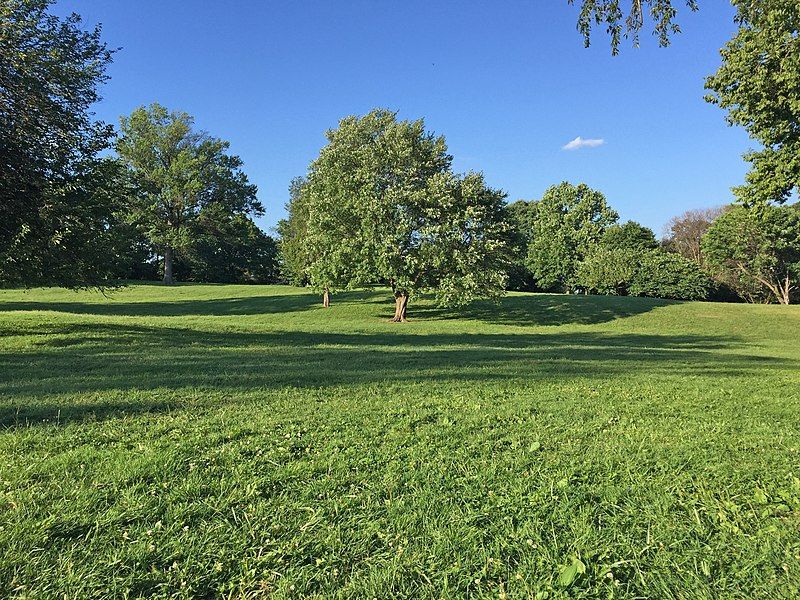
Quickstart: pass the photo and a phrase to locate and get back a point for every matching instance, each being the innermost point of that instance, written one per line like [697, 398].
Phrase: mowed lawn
[209, 441]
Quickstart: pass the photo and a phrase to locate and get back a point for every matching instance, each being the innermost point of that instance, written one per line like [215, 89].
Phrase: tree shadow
[116, 361]
[249, 305]
[545, 309]
[517, 309]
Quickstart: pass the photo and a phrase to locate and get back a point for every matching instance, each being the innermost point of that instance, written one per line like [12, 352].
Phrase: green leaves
[228, 248]
[382, 204]
[50, 72]
[569, 573]
[177, 173]
[294, 251]
[758, 84]
[660, 274]
[756, 251]
[629, 236]
[610, 14]
[607, 270]
[569, 222]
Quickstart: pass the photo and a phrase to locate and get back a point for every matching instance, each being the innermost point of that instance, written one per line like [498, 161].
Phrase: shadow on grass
[119, 361]
[523, 310]
[545, 309]
[250, 305]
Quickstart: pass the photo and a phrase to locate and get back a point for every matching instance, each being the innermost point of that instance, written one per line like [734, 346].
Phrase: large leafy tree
[177, 172]
[608, 270]
[628, 260]
[384, 206]
[80, 238]
[643, 272]
[756, 251]
[50, 196]
[759, 85]
[570, 221]
[610, 267]
[661, 274]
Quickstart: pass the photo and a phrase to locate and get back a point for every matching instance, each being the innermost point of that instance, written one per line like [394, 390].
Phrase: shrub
[665, 275]
[607, 271]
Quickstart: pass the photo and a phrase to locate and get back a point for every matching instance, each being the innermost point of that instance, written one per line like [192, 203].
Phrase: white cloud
[580, 142]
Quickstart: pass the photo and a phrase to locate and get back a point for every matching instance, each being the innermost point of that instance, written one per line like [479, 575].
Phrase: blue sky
[508, 84]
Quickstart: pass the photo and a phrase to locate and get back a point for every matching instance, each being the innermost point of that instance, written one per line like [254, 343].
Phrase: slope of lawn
[244, 442]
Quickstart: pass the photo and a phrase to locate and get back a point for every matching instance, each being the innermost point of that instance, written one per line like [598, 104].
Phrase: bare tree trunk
[168, 266]
[786, 290]
[781, 294]
[326, 298]
[400, 306]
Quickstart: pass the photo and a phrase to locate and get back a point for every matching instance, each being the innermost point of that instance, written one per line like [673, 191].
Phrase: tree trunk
[326, 298]
[168, 266]
[400, 307]
[786, 291]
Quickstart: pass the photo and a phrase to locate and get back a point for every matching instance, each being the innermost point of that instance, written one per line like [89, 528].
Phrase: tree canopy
[758, 84]
[629, 261]
[50, 72]
[384, 206]
[294, 251]
[629, 236]
[662, 274]
[607, 270]
[568, 222]
[229, 248]
[521, 216]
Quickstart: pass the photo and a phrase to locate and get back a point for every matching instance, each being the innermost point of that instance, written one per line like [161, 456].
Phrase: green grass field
[243, 442]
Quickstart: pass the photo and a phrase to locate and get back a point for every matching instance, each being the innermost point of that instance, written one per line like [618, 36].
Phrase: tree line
[85, 204]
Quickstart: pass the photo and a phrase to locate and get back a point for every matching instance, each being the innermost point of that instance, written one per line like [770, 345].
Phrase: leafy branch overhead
[619, 23]
[758, 84]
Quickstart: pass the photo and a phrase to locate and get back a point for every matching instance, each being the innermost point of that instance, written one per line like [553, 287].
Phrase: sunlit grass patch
[213, 441]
